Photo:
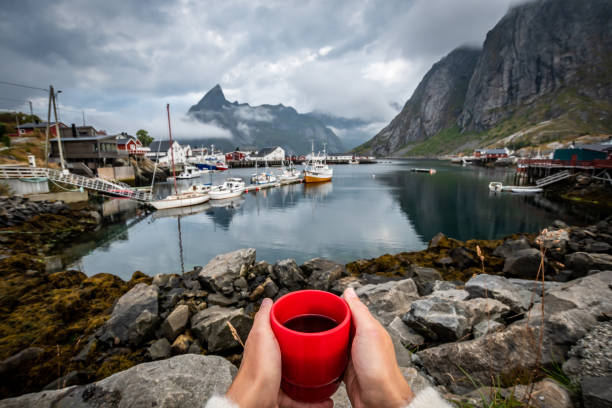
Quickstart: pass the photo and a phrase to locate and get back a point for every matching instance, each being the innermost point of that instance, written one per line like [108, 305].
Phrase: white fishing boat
[353, 161]
[317, 170]
[496, 186]
[180, 200]
[189, 172]
[199, 188]
[232, 187]
[288, 174]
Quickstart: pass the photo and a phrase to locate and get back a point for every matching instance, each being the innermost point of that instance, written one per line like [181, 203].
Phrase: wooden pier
[548, 171]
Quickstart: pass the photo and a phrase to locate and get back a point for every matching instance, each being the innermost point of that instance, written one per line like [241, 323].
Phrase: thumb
[262, 318]
[361, 315]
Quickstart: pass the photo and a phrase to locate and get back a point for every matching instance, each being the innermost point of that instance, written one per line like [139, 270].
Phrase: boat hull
[179, 201]
[205, 166]
[225, 194]
[310, 178]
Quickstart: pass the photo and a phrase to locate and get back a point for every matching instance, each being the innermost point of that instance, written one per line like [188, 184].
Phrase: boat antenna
[171, 148]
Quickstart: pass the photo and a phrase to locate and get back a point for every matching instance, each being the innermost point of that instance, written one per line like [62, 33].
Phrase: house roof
[84, 138]
[601, 147]
[497, 151]
[266, 151]
[39, 125]
[161, 145]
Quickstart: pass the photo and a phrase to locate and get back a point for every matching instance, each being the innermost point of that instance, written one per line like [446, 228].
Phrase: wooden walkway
[113, 188]
[545, 181]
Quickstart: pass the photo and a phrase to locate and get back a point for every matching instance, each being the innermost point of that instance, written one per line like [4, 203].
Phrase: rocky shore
[466, 317]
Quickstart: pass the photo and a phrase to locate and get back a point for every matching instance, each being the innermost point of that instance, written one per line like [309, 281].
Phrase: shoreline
[62, 315]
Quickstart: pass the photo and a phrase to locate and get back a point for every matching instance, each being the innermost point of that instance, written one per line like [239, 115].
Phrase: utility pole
[57, 130]
[31, 110]
[47, 128]
[83, 112]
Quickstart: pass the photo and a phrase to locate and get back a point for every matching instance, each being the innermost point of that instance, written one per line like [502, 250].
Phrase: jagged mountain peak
[214, 99]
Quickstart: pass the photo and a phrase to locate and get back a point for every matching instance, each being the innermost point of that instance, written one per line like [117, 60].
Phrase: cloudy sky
[121, 61]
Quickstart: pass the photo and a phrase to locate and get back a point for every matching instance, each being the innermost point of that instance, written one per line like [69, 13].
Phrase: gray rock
[133, 317]
[443, 285]
[344, 283]
[240, 284]
[463, 257]
[185, 381]
[289, 275]
[502, 353]
[176, 322]
[322, 273]
[450, 294]
[534, 285]
[389, 299]
[221, 272]
[407, 337]
[160, 349]
[511, 246]
[481, 309]
[598, 246]
[72, 378]
[270, 288]
[53, 264]
[435, 241]
[597, 392]
[486, 327]
[591, 356]
[523, 264]
[160, 280]
[582, 262]
[222, 300]
[210, 327]
[194, 348]
[438, 319]
[501, 289]
[16, 361]
[424, 278]
[590, 293]
[171, 298]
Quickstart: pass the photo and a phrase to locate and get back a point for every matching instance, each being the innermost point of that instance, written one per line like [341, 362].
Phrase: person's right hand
[373, 378]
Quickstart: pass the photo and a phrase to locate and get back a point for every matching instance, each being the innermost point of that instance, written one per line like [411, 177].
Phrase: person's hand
[257, 383]
[373, 378]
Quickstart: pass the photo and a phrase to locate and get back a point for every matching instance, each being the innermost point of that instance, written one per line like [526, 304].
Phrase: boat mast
[171, 149]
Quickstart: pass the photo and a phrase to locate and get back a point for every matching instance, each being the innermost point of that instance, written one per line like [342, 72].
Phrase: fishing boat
[178, 199]
[232, 187]
[189, 172]
[181, 211]
[288, 174]
[317, 170]
[353, 161]
[266, 177]
[495, 186]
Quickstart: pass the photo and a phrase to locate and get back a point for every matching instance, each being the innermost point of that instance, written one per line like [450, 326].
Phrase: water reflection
[367, 210]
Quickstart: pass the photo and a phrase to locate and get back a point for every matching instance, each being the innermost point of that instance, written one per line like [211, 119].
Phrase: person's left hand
[257, 383]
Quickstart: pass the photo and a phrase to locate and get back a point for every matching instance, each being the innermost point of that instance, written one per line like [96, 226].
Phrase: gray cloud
[121, 61]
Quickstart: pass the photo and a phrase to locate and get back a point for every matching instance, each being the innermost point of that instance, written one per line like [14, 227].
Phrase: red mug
[312, 363]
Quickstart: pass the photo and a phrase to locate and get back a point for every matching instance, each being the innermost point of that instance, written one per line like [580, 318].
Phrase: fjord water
[366, 211]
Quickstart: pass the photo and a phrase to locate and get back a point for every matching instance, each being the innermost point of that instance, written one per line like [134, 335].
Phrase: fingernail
[350, 293]
[266, 302]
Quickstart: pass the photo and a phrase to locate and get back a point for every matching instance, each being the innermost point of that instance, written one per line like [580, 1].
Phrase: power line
[24, 86]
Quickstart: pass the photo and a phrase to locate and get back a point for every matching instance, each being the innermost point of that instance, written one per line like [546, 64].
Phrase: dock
[258, 187]
[543, 172]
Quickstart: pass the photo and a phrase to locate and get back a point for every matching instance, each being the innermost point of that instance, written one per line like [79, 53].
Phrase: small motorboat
[496, 186]
[180, 200]
[188, 172]
[288, 174]
[527, 190]
[232, 187]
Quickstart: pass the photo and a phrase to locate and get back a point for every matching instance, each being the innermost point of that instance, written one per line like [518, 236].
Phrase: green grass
[556, 374]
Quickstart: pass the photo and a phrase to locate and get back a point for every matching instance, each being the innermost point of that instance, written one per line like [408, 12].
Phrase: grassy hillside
[16, 150]
[560, 117]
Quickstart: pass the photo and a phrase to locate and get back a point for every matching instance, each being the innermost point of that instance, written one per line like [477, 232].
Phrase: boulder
[221, 272]
[176, 322]
[534, 285]
[499, 288]
[463, 257]
[322, 273]
[523, 264]
[270, 288]
[481, 309]
[486, 327]
[222, 300]
[598, 246]
[504, 354]
[159, 349]
[20, 360]
[407, 337]
[424, 278]
[592, 293]
[511, 246]
[450, 294]
[210, 327]
[591, 356]
[134, 316]
[596, 392]
[185, 381]
[289, 275]
[438, 319]
[582, 262]
[389, 299]
[344, 283]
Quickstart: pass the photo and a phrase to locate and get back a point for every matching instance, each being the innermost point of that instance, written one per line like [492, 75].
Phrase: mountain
[544, 74]
[435, 104]
[352, 131]
[262, 126]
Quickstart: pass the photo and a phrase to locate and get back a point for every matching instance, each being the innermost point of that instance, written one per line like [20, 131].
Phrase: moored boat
[180, 200]
[525, 190]
[317, 170]
[188, 172]
[232, 187]
[495, 186]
